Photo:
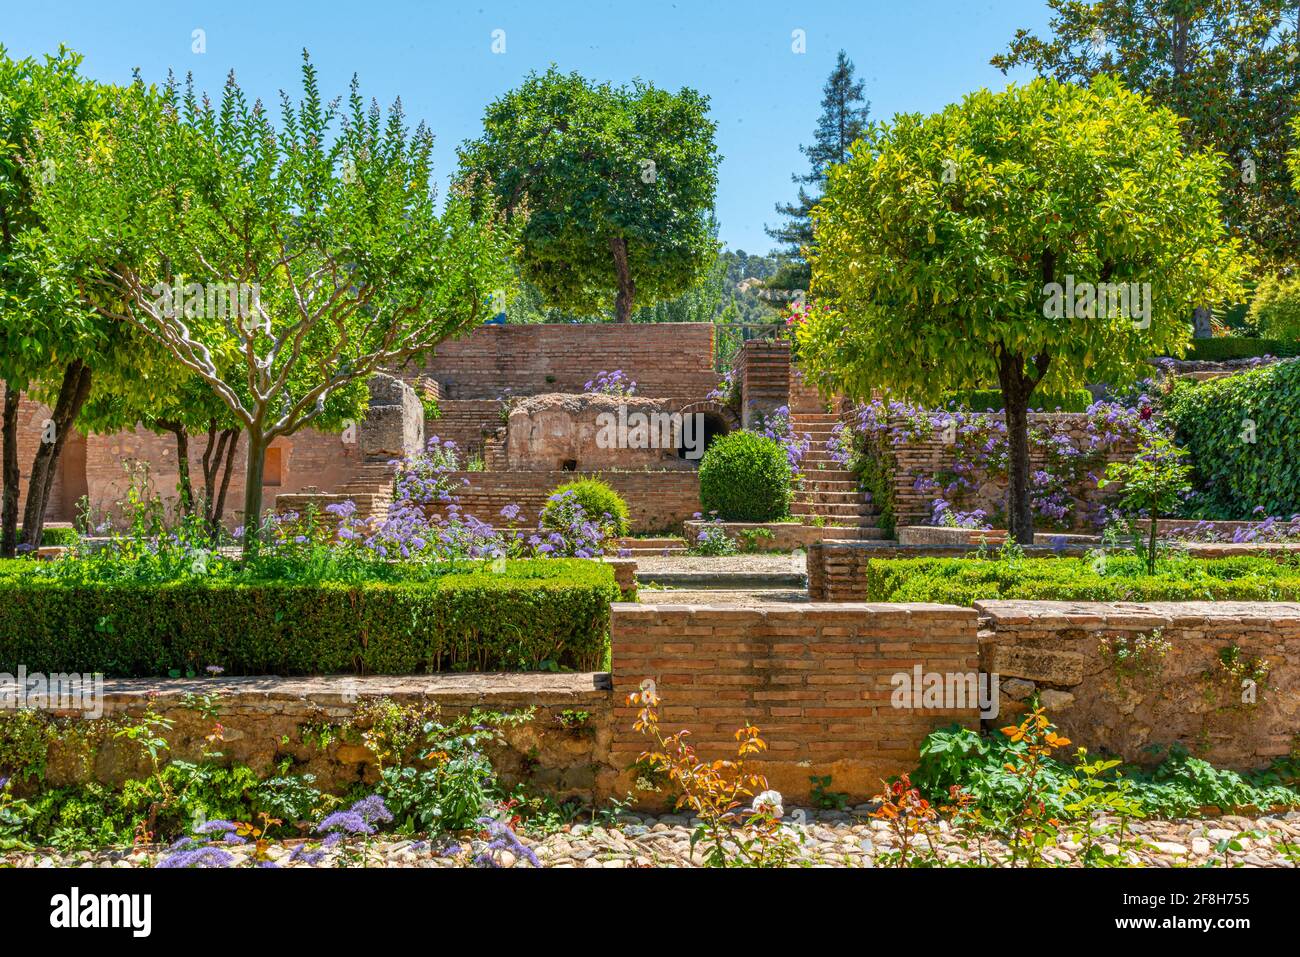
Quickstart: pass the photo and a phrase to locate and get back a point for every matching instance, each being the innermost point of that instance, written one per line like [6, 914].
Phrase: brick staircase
[829, 491]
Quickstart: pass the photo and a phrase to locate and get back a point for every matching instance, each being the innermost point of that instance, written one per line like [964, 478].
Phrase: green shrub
[964, 581]
[597, 499]
[990, 400]
[746, 477]
[1241, 433]
[1275, 309]
[536, 614]
[1225, 348]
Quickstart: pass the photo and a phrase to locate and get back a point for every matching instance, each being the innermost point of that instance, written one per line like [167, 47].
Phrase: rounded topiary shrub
[597, 499]
[746, 477]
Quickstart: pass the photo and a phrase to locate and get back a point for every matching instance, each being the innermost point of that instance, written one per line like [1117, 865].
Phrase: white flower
[769, 802]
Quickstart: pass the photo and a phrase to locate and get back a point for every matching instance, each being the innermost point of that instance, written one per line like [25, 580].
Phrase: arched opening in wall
[712, 425]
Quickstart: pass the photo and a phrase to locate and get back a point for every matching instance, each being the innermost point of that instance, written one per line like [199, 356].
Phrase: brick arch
[709, 407]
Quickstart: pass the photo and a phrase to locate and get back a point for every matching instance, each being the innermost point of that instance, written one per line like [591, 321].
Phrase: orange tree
[1047, 235]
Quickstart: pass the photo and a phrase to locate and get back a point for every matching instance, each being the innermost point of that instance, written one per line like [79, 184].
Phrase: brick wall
[1054, 648]
[665, 359]
[763, 370]
[816, 681]
[656, 501]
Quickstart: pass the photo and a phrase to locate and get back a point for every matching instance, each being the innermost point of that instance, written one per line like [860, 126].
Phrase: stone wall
[267, 721]
[492, 362]
[1187, 697]
[657, 501]
[816, 681]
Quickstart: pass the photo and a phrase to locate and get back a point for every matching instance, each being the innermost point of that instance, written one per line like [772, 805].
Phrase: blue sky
[914, 55]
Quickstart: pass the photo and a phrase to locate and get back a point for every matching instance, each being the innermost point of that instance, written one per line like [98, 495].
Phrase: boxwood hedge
[963, 581]
[535, 615]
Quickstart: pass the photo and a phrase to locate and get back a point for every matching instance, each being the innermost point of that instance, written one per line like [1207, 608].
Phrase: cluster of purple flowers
[426, 520]
[501, 838]
[776, 425]
[1066, 459]
[725, 390]
[1271, 528]
[616, 383]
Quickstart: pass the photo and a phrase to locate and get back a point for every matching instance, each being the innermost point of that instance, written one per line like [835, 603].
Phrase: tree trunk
[1017, 386]
[9, 477]
[257, 446]
[623, 302]
[72, 396]
[218, 508]
[184, 487]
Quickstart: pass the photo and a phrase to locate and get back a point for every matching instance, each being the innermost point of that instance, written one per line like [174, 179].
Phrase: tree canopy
[616, 186]
[1229, 67]
[948, 243]
[282, 265]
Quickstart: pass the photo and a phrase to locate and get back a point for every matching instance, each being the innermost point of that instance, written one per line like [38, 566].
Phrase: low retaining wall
[815, 681]
[267, 721]
[1186, 696]
[818, 681]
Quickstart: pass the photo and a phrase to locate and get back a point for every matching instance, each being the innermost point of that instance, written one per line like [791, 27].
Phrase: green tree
[1229, 67]
[616, 186]
[1152, 484]
[282, 265]
[51, 343]
[946, 247]
[1275, 307]
[843, 120]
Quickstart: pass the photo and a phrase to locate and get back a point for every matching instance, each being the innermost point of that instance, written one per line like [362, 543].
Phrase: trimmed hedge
[56, 536]
[990, 400]
[537, 614]
[1225, 348]
[1213, 421]
[964, 581]
[746, 477]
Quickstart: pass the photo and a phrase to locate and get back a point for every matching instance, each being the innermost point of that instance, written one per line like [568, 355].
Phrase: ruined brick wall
[1187, 696]
[931, 455]
[657, 501]
[816, 681]
[665, 359]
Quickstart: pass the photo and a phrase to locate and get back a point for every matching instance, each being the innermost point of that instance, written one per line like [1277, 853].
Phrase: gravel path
[649, 595]
[829, 839]
[781, 564]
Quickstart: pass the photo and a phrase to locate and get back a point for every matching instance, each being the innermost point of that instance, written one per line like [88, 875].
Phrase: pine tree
[844, 116]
